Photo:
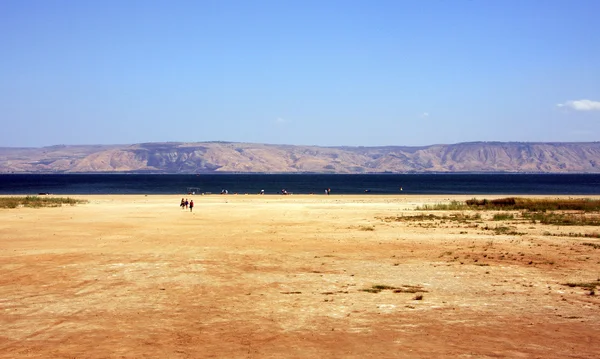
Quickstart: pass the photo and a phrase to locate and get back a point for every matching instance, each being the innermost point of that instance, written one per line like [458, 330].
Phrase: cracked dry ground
[289, 276]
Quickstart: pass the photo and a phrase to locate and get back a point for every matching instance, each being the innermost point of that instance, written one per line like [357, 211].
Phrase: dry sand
[253, 276]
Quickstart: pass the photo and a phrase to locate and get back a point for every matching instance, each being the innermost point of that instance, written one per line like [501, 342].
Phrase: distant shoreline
[298, 173]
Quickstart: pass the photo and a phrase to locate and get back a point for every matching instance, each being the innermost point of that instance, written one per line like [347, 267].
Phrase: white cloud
[581, 105]
[424, 115]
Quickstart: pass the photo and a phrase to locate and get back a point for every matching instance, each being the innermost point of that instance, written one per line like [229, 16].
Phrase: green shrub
[503, 216]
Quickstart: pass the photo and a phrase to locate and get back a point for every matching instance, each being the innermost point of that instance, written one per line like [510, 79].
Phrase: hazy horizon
[299, 145]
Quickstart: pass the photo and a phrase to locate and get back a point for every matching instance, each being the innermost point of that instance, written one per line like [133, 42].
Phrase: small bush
[504, 202]
[503, 216]
[476, 202]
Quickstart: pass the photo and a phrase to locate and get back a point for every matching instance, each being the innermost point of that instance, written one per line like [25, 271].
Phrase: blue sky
[329, 73]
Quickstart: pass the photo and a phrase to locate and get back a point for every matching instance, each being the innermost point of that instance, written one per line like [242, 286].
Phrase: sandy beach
[301, 276]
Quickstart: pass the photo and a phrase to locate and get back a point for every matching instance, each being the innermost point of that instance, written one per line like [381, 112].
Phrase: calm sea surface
[575, 184]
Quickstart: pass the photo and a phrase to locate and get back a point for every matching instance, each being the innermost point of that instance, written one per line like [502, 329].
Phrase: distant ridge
[215, 157]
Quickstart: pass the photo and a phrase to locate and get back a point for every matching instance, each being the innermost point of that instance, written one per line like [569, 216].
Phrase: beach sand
[249, 276]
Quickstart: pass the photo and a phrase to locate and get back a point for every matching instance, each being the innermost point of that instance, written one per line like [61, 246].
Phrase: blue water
[569, 184]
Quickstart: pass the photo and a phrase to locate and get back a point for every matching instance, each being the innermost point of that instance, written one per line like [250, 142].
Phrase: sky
[299, 72]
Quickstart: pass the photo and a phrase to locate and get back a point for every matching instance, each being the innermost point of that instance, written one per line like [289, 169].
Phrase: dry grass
[585, 285]
[37, 202]
[562, 219]
[454, 217]
[536, 205]
[407, 288]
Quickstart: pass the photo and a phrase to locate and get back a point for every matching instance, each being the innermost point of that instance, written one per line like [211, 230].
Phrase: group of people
[185, 204]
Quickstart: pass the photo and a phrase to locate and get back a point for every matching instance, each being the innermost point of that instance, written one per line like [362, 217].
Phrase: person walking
[191, 205]
[182, 204]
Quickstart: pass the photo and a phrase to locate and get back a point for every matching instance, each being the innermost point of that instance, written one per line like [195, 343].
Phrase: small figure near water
[182, 204]
[191, 205]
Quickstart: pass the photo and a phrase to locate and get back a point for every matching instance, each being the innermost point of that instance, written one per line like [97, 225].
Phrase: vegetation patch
[381, 287]
[454, 217]
[370, 290]
[402, 289]
[452, 206]
[536, 205]
[576, 235]
[417, 218]
[503, 217]
[503, 230]
[409, 289]
[494, 203]
[585, 285]
[593, 245]
[366, 228]
[516, 203]
[37, 202]
[562, 219]
[560, 212]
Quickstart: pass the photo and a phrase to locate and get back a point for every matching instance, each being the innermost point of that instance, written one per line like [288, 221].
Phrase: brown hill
[202, 157]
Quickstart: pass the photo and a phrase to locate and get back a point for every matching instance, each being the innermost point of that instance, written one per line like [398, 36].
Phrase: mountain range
[231, 157]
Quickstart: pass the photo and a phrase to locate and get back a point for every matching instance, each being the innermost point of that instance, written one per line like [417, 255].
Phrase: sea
[384, 184]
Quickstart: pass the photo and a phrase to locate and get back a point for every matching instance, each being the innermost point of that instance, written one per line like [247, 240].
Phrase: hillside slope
[206, 157]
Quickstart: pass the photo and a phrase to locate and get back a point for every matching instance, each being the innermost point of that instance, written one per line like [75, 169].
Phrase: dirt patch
[285, 276]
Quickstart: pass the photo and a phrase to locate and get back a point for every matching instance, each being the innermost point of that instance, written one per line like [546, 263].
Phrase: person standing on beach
[186, 203]
[182, 204]
[191, 205]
